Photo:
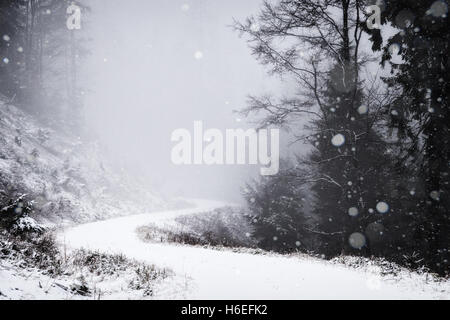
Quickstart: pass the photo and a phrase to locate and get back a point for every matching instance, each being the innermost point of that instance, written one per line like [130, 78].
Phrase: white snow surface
[202, 273]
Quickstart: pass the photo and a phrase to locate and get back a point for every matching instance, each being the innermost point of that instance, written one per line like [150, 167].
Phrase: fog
[156, 66]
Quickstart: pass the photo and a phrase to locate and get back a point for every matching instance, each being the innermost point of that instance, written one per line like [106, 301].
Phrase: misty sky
[144, 82]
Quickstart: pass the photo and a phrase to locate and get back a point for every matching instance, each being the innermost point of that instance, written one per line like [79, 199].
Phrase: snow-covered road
[212, 274]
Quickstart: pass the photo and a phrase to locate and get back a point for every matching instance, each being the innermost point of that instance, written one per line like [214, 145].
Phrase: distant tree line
[375, 180]
[40, 57]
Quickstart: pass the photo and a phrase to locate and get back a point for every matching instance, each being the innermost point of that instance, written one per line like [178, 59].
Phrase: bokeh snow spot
[353, 212]
[382, 207]
[338, 140]
[363, 110]
[357, 240]
[438, 9]
[435, 195]
[198, 55]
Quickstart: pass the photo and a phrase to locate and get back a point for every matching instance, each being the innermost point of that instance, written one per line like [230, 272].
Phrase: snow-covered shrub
[143, 276]
[15, 219]
[224, 227]
[278, 212]
[26, 225]
[82, 272]
[99, 263]
[39, 252]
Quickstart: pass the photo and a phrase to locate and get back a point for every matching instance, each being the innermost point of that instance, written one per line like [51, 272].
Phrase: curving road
[212, 274]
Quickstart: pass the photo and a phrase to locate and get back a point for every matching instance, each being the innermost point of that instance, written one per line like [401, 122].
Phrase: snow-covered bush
[142, 277]
[278, 212]
[15, 219]
[26, 225]
[39, 252]
[80, 273]
[224, 227]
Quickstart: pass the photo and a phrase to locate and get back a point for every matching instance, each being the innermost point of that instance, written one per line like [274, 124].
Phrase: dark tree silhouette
[420, 115]
[364, 193]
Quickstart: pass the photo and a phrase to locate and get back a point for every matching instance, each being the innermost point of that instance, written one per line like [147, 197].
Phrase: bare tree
[317, 45]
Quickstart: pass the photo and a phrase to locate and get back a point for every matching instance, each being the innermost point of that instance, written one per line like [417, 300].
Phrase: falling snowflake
[6, 38]
[394, 49]
[353, 212]
[438, 9]
[185, 7]
[357, 240]
[338, 140]
[5, 60]
[394, 113]
[435, 195]
[198, 55]
[382, 207]
[363, 110]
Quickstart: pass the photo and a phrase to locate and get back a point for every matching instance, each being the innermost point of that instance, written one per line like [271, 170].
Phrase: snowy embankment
[68, 178]
[64, 179]
[202, 273]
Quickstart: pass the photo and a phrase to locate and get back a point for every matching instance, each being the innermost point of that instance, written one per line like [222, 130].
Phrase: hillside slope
[67, 178]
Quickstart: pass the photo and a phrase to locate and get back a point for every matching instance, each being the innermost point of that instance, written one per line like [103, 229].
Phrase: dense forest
[376, 180]
[41, 57]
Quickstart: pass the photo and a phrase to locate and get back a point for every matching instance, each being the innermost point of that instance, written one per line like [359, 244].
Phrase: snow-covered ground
[224, 274]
